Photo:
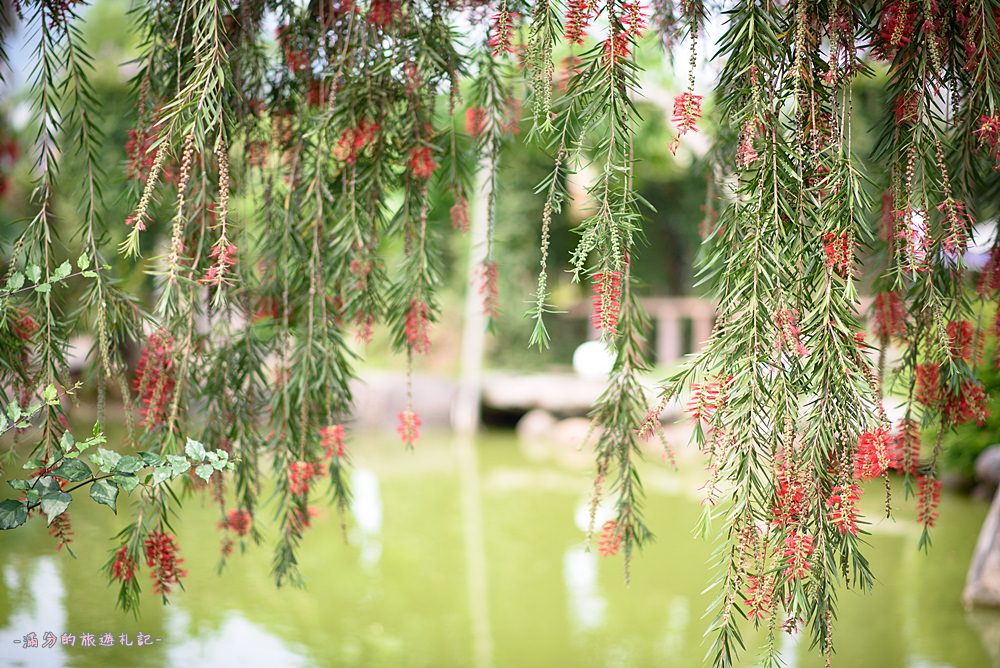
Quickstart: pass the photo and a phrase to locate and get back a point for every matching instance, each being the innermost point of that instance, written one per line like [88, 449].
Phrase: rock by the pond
[982, 585]
[536, 423]
[988, 465]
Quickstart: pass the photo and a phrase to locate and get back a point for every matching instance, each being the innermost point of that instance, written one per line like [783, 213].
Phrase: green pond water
[457, 557]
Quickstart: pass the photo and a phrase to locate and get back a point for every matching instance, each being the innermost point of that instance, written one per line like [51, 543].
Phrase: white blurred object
[592, 359]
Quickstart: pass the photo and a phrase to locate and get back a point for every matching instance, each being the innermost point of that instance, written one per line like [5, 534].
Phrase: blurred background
[472, 551]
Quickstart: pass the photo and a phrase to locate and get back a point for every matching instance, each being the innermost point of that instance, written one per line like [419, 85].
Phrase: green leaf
[178, 464]
[19, 484]
[67, 441]
[162, 474]
[43, 288]
[128, 464]
[105, 492]
[83, 261]
[105, 459]
[47, 485]
[73, 470]
[90, 274]
[34, 272]
[194, 450]
[50, 394]
[14, 411]
[62, 271]
[126, 481]
[204, 471]
[12, 514]
[15, 282]
[55, 504]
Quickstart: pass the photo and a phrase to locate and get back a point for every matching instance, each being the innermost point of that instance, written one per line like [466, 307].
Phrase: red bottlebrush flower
[475, 121]
[988, 135]
[22, 325]
[122, 569]
[968, 404]
[409, 427]
[747, 153]
[418, 327]
[139, 157]
[928, 384]
[366, 324]
[798, 549]
[906, 447]
[871, 459]
[489, 289]
[569, 67]
[707, 398]
[616, 49]
[299, 475]
[759, 596]
[958, 224]
[607, 301]
[161, 557]
[610, 541]
[421, 162]
[154, 382]
[460, 215]
[962, 342]
[61, 529]
[238, 520]
[839, 251]
[225, 259]
[383, 12]
[905, 107]
[360, 268]
[914, 238]
[790, 496]
[579, 14]
[896, 29]
[687, 111]
[332, 440]
[502, 32]
[354, 140]
[928, 498]
[789, 334]
[842, 508]
[989, 279]
[890, 316]
[633, 19]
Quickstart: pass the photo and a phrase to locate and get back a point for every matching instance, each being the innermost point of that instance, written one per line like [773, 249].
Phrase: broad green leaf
[126, 481]
[162, 474]
[50, 393]
[34, 272]
[105, 459]
[14, 411]
[178, 464]
[55, 504]
[43, 288]
[73, 470]
[67, 441]
[12, 514]
[15, 282]
[62, 271]
[83, 262]
[204, 471]
[105, 492]
[194, 450]
[20, 484]
[128, 464]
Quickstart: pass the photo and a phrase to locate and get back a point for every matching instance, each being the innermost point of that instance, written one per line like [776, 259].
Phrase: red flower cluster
[366, 324]
[154, 381]
[418, 327]
[161, 557]
[383, 12]
[958, 223]
[22, 325]
[61, 529]
[905, 107]
[914, 238]
[747, 153]
[502, 32]
[607, 301]
[610, 541]
[579, 14]
[421, 162]
[353, 140]
[906, 447]
[928, 381]
[988, 134]
[460, 215]
[798, 549]
[475, 121]
[928, 498]
[989, 279]
[789, 333]
[707, 398]
[790, 495]
[225, 259]
[299, 475]
[967, 405]
[839, 251]
[409, 427]
[895, 28]
[871, 459]
[842, 508]
[962, 342]
[139, 159]
[890, 316]
[687, 111]
[332, 440]
[238, 520]
[759, 597]
[122, 569]
[489, 289]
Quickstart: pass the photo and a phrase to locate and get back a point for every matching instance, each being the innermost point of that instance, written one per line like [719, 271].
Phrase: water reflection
[471, 555]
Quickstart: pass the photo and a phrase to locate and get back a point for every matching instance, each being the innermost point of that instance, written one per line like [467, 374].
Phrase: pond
[484, 569]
